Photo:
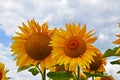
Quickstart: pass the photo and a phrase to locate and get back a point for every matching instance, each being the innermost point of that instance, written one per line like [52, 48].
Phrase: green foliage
[111, 52]
[62, 75]
[9, 77]
[34, 71]
[24, 68]
[118, 72]
[115, 62]
[77, 78]
[97, 74]
[7, 70]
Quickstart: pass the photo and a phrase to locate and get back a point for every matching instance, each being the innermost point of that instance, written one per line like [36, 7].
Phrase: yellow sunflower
[105, 78]
[2, 72]
[73, 46]
[117, 42]
[31, 46]
[97, 65]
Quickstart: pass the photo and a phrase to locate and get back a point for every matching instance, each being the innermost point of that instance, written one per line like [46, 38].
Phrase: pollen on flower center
[73, 44]
[75, 47]
[96, 65]
[37, 46]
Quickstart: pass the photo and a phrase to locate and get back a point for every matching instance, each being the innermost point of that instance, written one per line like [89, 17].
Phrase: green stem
[42, 74]
[92, 77]
[79, 73]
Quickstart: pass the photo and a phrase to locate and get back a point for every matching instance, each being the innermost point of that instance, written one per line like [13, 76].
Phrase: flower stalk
[42, 74]
[92, 77]
[79, 73]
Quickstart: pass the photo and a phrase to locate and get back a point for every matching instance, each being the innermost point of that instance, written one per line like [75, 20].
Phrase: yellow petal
[117, 41]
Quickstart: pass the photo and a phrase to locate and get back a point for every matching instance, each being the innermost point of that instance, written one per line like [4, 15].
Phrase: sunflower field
[65, 53]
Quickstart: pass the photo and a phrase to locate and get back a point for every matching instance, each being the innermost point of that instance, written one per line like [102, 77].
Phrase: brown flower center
[37, 46]
[75, 47]
[0, 75]
[94, 66]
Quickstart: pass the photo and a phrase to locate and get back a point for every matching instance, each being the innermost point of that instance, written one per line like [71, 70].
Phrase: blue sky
[100, 15]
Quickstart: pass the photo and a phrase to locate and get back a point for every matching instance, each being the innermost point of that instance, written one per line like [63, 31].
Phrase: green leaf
[24, 68]
[111, 52]
[115, 62]
[97, 74]
[118, 72]
[75, 78]
[61, 75]
[7, 70]
[34, 71]
[9, 78]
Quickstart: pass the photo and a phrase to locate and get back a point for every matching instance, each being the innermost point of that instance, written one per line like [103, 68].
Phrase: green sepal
[34, 71]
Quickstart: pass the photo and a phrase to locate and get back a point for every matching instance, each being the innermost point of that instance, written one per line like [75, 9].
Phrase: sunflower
[105, 78]
[31, 46]
[117, 42]
[97, 65]
[3, 72]
[73, 46]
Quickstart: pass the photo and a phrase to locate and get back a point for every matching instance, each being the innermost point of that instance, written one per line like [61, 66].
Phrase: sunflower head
[36, 46]
[31, 46]
[105, 78]
[3, 72]
[73, 46]
[98, 64]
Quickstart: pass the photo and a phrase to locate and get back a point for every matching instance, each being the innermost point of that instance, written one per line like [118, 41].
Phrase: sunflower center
[37, 46]
[94, 66]
[74, 47]
[0, 75]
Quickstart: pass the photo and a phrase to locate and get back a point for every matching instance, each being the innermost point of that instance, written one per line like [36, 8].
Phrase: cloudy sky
[100, 15]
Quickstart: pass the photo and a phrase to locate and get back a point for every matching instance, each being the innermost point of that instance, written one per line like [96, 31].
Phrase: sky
[101, 15]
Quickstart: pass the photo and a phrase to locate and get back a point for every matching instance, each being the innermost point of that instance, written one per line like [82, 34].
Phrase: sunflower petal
[117, 41]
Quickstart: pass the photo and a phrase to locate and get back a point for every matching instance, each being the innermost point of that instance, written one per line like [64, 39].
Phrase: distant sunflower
[73, 46]
[117, 42]
[2, 72]
[32, 45]
[97, 65]
[105, 78]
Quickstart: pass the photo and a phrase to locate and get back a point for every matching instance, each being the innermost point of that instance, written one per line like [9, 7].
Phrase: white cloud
[103, 37]
[58, 12]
